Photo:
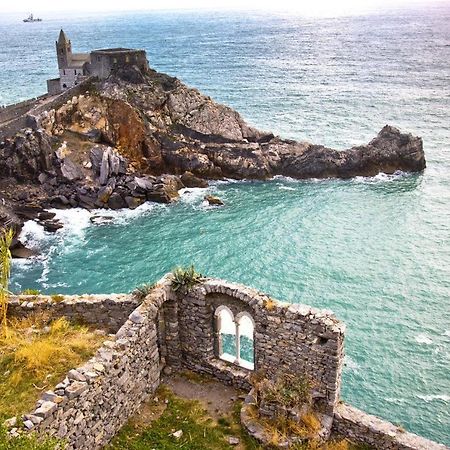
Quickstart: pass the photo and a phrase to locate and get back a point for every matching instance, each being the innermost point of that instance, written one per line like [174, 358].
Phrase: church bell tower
[63, 50]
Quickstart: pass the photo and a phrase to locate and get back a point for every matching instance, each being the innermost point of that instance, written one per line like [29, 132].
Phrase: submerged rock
[191, 181]
[101, 220]
[214, 201]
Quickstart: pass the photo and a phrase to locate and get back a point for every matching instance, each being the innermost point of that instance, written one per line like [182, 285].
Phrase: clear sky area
[308, 7]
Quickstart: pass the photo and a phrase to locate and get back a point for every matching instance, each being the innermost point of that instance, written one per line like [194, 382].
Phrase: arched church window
[245, 330]
[225, 334]
[235, 337]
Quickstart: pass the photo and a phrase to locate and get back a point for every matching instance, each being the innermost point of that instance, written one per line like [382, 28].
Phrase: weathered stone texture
[288, 338]
[94, 401]
[105, 311]
[359, 426]
[175, 331]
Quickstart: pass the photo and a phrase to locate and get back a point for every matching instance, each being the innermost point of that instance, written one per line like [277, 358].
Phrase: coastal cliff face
[142, 136]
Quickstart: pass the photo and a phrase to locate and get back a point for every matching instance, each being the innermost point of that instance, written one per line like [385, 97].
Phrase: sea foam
[422, 338]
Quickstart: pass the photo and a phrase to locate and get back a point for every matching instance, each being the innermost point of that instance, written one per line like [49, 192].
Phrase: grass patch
[57, 298]
[334, 444]
[26, 442]
[31, 292]
[35, 354]
[155, 423]
[200, 431]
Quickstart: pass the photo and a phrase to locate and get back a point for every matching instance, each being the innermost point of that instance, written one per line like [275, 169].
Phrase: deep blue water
[375, 251]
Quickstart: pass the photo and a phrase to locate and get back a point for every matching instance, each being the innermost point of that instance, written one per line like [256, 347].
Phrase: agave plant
[6, 237]
[184, 278]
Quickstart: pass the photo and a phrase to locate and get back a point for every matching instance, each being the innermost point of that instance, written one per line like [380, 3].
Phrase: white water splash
[193, 195]
[32, 234]
[381, 177]
[351, 364]
[422, 338]
[435, 397]
[286, 188]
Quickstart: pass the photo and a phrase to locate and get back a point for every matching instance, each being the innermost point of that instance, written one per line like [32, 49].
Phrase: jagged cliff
[142, 136]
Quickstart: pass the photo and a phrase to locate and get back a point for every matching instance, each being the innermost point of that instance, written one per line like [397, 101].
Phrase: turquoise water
[375, 251]
[246, 346]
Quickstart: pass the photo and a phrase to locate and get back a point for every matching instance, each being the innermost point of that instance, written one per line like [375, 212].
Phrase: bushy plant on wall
[184, 278]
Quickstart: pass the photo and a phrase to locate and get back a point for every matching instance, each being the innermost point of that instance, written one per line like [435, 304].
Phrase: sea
[376, 251]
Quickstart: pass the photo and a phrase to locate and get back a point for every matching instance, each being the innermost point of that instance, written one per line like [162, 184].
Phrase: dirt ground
[217, 398]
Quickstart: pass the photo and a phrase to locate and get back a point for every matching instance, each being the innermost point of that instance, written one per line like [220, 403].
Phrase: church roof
[62, 40]
[78, 60]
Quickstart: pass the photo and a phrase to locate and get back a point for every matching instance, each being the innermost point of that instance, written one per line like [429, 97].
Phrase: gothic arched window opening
[235, 337]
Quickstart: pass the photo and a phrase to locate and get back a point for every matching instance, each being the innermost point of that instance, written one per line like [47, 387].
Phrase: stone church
[76, 67]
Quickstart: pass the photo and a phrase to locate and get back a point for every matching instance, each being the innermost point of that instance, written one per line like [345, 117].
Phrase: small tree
[6, 237]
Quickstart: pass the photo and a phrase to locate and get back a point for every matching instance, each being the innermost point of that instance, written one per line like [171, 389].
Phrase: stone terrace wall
[105, 311]
[359, 426]
[94, 401]
[23, 114]
[10, 112]
[291, 338]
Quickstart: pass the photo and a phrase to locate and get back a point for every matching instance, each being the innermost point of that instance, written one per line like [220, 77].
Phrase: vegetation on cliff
[6, 237]
[35, 355]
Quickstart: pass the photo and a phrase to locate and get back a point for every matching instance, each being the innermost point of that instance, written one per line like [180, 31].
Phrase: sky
[307, 7]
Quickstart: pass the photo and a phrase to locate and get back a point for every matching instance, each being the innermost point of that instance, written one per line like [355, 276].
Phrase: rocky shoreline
[140, 137]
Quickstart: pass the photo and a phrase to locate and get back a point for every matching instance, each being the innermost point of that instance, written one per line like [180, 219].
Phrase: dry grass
[280, 429]
[6, 237]
[35, 354]
[270, 304]
[311, 423]
[318, 445]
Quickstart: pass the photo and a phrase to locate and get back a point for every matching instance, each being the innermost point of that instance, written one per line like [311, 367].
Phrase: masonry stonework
[170, 331]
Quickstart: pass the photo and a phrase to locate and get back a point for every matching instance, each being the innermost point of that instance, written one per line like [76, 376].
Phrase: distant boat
[31, 18]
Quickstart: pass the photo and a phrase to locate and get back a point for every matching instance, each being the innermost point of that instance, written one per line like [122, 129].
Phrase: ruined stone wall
[359, 426]
[177, 331]
[95, 400]
[288, 338]
[104, 61]
[24, 116]
[104, 311]
[16, 110]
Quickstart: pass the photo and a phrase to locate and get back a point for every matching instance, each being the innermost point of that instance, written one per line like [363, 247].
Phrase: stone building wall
[95, 400]
[104, 61]
[379, 434]
[287, 338]
[104, 311]
[177, 331]
[16, 110]
[26, 116]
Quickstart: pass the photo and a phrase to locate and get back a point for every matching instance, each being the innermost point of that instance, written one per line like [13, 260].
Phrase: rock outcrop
[142, 136]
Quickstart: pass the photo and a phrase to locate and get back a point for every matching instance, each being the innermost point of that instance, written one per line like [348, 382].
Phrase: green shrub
[57, 298]
[31, 292]
[288, 390]
[184, 278]
[143, 290]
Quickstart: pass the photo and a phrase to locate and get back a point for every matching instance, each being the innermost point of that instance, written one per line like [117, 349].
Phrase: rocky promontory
[142, 136]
